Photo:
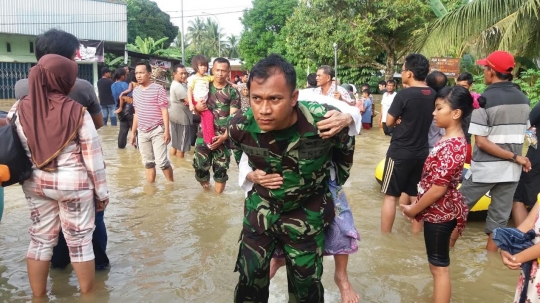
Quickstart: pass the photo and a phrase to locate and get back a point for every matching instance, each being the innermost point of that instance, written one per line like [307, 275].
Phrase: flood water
[177, 243]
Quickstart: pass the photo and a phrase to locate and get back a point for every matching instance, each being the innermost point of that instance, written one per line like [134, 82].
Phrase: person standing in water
[279, 135]
[151, 124]
[439, 204]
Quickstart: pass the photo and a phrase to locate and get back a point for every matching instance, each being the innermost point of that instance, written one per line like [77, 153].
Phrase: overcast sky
[227, 12]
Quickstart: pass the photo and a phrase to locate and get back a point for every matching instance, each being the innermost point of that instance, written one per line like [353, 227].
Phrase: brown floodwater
[176, 243]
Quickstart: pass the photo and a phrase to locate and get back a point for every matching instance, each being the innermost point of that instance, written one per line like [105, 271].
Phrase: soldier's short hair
[270, 66]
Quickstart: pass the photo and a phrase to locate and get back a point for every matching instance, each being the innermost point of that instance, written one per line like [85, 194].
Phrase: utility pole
[182, 32]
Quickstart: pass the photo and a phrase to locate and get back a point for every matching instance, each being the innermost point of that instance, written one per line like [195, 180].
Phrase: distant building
[101, 25]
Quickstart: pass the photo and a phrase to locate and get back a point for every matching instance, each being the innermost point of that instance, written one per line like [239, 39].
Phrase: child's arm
[190, 99]
[120, 105]
[127, 91]
[431, 196]
[232, 84]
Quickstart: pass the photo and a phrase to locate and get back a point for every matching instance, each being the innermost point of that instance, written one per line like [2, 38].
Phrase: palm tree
[231, 46]
[196, 34]
[214, 35]
[148, 45]
[482, 26]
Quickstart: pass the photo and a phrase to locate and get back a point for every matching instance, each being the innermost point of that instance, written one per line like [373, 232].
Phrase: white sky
[192, 8]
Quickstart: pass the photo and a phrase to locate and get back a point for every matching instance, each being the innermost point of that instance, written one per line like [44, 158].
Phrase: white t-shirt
[387, 100]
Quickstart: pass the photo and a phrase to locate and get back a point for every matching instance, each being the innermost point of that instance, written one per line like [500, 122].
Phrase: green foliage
[146, 20]
[528, 80]
[113, 60]
[482, 26]
[204, 37]
[231, 47]
[438, 8]
[147, 45]
[363, 30]
[530, 84]
[262, 24]
[359, 76]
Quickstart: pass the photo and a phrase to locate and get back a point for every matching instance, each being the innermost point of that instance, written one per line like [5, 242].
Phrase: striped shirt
[148, 103]
[504, 122]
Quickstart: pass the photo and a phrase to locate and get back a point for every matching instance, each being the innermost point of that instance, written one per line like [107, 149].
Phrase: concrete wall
[20, 48]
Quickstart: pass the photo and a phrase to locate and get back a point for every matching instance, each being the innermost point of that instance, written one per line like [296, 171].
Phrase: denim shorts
[437, 238]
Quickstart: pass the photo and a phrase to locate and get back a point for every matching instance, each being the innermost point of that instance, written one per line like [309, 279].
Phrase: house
[100, 25]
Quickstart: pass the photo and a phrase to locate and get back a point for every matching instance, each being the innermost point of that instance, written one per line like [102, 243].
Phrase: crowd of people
[294, 149]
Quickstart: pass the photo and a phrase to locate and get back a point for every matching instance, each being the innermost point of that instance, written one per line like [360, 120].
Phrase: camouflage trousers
[300, 233]
[237, 153]
[217, 159]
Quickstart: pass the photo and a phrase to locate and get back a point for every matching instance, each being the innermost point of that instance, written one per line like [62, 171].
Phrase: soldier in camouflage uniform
[223, 101]
[279, 135]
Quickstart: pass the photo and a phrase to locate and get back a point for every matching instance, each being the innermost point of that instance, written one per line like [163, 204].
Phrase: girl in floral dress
[533, 253]
[439, 204]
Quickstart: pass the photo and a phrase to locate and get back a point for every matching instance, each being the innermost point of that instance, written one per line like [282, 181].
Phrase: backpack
[13, 155]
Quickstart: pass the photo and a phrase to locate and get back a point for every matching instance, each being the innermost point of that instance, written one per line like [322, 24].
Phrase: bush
[528, 80]
[530, 84]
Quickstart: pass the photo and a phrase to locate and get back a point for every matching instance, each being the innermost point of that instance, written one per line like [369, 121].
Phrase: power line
[103, 21]
[73, 22]
[202, 15]
[207, 9]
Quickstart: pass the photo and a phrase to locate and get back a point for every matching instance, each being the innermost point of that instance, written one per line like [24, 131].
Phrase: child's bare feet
[348, 295]
[275, 264]
[205, 185]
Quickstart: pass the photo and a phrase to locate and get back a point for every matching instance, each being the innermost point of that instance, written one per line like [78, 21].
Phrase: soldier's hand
[335, 121]
[217, 141]
[201, 106]
[270, 181]
[337, 95]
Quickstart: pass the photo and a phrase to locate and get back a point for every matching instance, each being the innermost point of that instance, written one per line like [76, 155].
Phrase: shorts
[437, 239]
[529, 183]
[153, 148]
[401, 176]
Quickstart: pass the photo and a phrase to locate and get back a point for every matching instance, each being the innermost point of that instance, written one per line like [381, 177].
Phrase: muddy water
[176, 243]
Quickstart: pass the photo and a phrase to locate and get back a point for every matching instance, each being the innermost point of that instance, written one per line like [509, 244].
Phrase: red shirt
[443, 167]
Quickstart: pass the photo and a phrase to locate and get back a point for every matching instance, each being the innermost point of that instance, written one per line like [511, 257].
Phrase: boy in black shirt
[412, 114]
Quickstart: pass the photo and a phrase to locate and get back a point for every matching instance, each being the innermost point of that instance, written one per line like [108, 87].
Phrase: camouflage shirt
[300, 156]
[220, 101]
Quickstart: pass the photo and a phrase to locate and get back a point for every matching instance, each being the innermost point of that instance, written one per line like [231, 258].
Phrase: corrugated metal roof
[86, 19]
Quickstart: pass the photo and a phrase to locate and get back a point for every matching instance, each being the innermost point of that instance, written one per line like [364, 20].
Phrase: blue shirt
[117, 88]
[368, 106]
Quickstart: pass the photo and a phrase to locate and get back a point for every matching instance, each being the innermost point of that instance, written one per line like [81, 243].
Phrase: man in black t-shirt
[106, 99]
[411, 112]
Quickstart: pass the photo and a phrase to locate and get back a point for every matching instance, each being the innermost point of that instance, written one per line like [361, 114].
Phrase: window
[8, 47]
[31, 47]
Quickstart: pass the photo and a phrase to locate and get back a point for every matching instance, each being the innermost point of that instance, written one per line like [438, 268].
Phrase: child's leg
[348, 295]
[441, 284]
[437, 239]
[207, 125]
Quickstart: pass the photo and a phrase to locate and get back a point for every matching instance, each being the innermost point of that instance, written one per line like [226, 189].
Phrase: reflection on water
[176, 243]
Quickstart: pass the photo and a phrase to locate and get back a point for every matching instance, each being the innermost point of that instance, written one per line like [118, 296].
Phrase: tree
[262, 24]
[231, 46]
[363, 30]
[482, 26]
[146, 20]
[204, 37]
[148, 46]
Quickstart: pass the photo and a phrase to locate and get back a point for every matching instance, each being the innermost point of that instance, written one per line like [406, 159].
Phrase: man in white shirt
[387, 100]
